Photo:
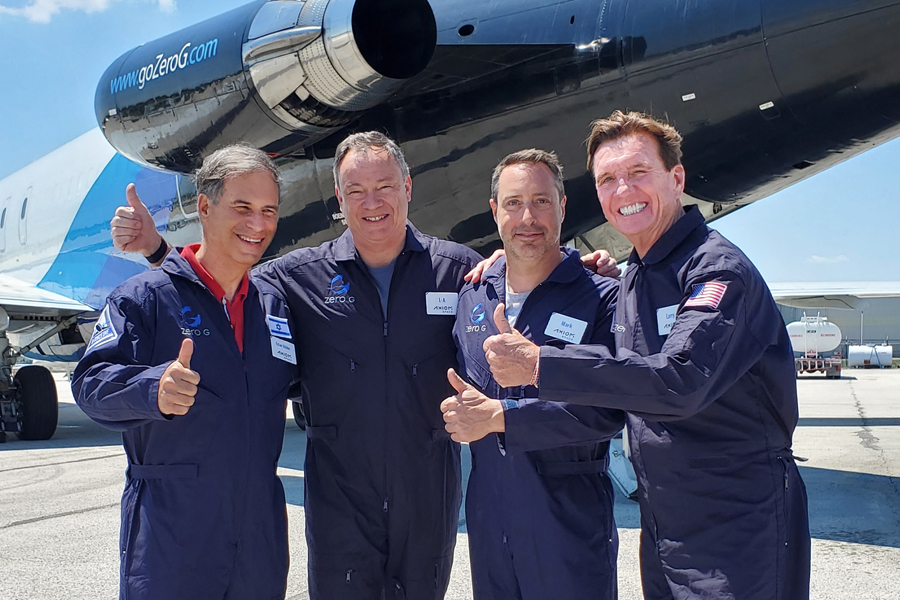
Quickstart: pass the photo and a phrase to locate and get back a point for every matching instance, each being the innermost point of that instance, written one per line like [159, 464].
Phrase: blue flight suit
[203, 511]
[382, 477]
[712, 400]
[539, 506]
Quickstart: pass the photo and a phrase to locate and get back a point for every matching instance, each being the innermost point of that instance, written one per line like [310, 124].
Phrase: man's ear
[494, 209]
[679, 176]
[407, 185]
[562, 206]
[203, 204]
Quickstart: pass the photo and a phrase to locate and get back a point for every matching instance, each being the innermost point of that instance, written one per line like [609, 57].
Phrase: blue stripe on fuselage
[85, 270]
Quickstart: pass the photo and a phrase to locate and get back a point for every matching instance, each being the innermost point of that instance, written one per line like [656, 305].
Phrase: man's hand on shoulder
[601, 263]
[178, 384]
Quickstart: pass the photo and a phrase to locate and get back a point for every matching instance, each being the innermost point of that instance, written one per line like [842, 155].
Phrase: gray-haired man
[182, 361]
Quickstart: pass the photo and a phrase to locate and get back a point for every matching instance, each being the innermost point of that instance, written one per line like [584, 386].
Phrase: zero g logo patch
[338, 288]
[477, 317]
[192, 322]
[478, 313]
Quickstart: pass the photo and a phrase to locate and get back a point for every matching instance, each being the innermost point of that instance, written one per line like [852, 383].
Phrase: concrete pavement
[59, 515]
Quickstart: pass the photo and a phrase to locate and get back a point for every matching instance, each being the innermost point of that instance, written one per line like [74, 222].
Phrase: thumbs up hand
[470, 415]
[132, 228]
[178, 384]
[512, 358]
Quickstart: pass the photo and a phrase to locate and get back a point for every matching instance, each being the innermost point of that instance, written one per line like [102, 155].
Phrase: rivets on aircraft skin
[689, 97]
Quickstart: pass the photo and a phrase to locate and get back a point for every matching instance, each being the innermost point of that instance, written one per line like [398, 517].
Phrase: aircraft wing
[832, 295]
[20, 298]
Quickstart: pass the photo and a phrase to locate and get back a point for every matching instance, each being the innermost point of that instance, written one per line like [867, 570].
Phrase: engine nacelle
[279, 75]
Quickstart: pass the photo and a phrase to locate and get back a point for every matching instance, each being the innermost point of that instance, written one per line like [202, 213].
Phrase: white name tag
[665, 318]
[441, 303]
[278, 326]
[565, 328]
[283, 350]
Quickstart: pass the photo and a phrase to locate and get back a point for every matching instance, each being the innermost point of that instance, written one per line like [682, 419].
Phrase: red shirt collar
[189, 253]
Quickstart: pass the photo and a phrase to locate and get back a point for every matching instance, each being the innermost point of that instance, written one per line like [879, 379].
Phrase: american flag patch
[706, 295]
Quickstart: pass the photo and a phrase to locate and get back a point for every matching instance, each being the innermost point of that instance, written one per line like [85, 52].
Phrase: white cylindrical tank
[814, 335]
[870, 356]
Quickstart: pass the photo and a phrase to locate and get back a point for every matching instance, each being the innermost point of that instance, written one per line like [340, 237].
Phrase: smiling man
[374, 311]
[539, 506]
[704, 367]
[185, 363]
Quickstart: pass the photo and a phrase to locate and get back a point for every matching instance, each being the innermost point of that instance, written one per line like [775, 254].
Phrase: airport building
[864, 312]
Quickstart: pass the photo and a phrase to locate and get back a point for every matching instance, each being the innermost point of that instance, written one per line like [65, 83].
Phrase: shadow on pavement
[853, 507]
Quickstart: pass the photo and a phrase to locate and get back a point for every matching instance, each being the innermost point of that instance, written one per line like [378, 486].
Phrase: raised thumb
[186, 352]
[131, 195]
[500, 319]
[456, 381]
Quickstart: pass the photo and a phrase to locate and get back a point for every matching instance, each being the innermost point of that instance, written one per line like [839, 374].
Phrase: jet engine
[279, 74]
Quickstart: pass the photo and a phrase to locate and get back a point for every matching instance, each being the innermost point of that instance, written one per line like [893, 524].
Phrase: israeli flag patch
[104, 332]
[278, 327]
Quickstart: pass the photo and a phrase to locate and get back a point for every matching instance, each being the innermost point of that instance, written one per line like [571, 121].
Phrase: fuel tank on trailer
[814, 335]
[279, 75]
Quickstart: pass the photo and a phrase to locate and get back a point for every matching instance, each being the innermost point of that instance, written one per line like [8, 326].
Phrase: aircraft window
[23, 223]
[3, 219]
[572, 20]
[466, 30]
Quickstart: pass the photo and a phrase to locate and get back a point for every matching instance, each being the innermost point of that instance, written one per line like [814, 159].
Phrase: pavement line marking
[64, 462]
[57, 515]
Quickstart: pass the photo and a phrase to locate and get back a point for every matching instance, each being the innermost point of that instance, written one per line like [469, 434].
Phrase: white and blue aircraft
[57, 263]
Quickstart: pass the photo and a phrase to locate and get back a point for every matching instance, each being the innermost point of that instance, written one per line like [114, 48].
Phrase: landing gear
[36, 395]
[28, 403]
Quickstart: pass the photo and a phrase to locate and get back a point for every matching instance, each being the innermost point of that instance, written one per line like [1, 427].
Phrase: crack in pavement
[867, 438]
[58, 515]
[63, 462]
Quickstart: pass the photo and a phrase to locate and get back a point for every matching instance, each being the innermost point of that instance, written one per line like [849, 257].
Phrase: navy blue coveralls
[539, 506]
[382, 477]
[203, 511]
[712, 400]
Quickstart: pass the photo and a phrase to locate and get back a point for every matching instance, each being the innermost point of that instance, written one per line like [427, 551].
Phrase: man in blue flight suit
[705, 370]
[374, 311]
[539, 506]
[203, 511]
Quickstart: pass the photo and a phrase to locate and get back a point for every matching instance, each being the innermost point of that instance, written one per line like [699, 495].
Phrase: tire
[36, 393]
[299, 419]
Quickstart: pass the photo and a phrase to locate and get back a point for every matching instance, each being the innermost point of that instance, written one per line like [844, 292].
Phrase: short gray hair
[232, 161]
[530, 156]
[364, 142]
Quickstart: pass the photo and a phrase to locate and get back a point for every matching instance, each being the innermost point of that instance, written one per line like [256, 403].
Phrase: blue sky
[836, 226]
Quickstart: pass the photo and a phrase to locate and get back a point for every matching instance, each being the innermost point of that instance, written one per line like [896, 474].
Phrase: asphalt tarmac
[59, 501]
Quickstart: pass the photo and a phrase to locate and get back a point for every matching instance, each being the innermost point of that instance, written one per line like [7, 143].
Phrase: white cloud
[42, 11]
[827, 260]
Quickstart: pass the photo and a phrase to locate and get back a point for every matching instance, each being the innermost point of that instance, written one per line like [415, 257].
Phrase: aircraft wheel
[36, 392]
[299, 418]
